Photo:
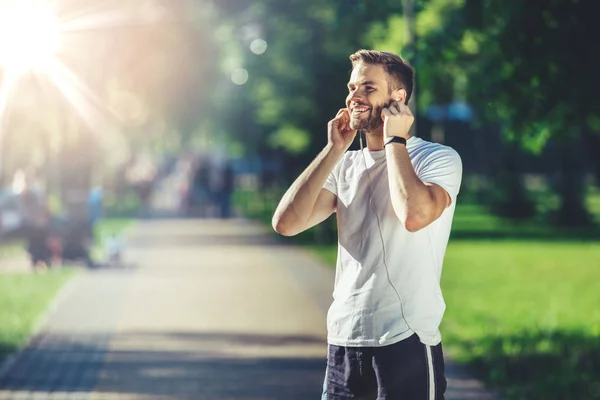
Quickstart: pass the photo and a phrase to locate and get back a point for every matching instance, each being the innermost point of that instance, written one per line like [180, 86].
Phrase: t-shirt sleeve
[442, 167]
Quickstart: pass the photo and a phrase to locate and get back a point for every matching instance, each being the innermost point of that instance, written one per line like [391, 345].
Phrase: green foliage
[471, 42]
[299, 83]
[378, 35]
[593, 122]
[520, 77]
[523, 66]
[539, 87]
[291, 139]
[128, 205]
[433, 16]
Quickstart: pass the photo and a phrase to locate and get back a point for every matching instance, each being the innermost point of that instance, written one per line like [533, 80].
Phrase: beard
[372, 123]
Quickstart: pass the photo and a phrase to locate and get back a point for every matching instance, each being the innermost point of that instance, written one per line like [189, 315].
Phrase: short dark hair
[400, 71]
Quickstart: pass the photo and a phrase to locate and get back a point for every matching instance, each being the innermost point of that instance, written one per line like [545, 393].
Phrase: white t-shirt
[367, 309]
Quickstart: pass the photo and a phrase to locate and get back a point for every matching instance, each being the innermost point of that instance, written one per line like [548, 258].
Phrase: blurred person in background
[200, 194]
[395, 202]
[36, 218]
[95, 205]
[221, 187]
[141, 176]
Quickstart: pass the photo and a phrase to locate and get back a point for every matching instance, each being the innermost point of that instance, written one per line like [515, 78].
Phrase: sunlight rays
[103, 16]
[76, 93]
[34, 39]
[6, 87]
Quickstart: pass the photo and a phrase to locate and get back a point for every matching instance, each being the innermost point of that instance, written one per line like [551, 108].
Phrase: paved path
[202, 310]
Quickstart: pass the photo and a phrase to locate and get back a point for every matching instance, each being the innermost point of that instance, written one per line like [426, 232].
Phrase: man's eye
[370, 89]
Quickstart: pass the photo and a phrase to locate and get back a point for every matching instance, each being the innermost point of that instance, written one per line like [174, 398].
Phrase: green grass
[471, 221]
[23, 300]
[112, 226]
[104, 229]
[525, 315]
[523, 305]
[593, 203]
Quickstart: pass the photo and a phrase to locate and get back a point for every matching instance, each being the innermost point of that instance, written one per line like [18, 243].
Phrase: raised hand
[397, 120]
[339, 133]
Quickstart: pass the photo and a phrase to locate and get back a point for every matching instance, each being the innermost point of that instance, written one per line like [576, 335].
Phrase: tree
[545, 87]
[520, 64]
[299, 83]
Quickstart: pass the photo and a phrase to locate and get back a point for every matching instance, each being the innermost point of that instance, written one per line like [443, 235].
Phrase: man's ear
[400, 95]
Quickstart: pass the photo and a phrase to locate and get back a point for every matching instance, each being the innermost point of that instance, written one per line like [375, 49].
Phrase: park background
[138, 89]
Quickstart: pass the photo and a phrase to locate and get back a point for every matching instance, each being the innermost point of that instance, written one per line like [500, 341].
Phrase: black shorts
[407, 370]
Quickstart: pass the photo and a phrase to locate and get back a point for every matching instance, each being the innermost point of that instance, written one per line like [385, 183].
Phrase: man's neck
[375, 139]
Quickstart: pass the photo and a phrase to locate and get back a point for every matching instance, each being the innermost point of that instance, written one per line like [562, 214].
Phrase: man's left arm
[416, 204]
[418, 201]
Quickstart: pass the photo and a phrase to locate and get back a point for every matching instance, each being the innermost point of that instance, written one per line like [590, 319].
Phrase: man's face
[368, 94]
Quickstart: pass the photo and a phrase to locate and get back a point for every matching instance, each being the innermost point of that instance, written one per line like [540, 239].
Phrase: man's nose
[357, 95]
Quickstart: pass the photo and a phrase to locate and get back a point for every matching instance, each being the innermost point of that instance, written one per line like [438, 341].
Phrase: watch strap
[394, 139]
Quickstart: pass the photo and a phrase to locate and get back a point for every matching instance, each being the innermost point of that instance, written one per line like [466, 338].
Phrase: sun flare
[29, 35]
[40, 38]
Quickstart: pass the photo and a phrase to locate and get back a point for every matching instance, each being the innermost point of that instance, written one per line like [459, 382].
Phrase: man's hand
[397, 120]
[339, 134]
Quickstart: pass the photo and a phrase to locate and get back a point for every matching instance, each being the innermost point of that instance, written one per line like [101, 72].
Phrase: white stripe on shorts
[431, 374]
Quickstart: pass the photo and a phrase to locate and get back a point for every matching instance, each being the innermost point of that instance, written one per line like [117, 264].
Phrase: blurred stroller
[64, 239]
[76, 240]
[113, 248]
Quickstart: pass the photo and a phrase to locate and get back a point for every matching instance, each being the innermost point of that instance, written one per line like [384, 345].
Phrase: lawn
[525, 315]
[23, 299]
[113, 226]
[523, 306]
[105, 229]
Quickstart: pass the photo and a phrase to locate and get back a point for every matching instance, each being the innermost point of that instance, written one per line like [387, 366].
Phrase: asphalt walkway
[201, 309]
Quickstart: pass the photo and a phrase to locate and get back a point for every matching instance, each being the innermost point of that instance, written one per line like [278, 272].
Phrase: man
[395, 202]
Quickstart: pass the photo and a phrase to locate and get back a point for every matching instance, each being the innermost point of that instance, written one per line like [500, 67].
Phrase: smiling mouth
[359, 110]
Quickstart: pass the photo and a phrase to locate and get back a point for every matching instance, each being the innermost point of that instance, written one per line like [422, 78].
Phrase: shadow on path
[129, 365]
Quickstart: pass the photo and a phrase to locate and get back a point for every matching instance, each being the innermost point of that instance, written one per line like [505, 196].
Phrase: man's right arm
[306, 203]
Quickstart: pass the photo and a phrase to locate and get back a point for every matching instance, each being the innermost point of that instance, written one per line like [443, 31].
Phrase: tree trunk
[592, 144]
[509, 197]
[571, 186]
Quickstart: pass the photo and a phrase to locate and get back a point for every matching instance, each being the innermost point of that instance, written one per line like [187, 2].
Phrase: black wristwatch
[394, 139]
